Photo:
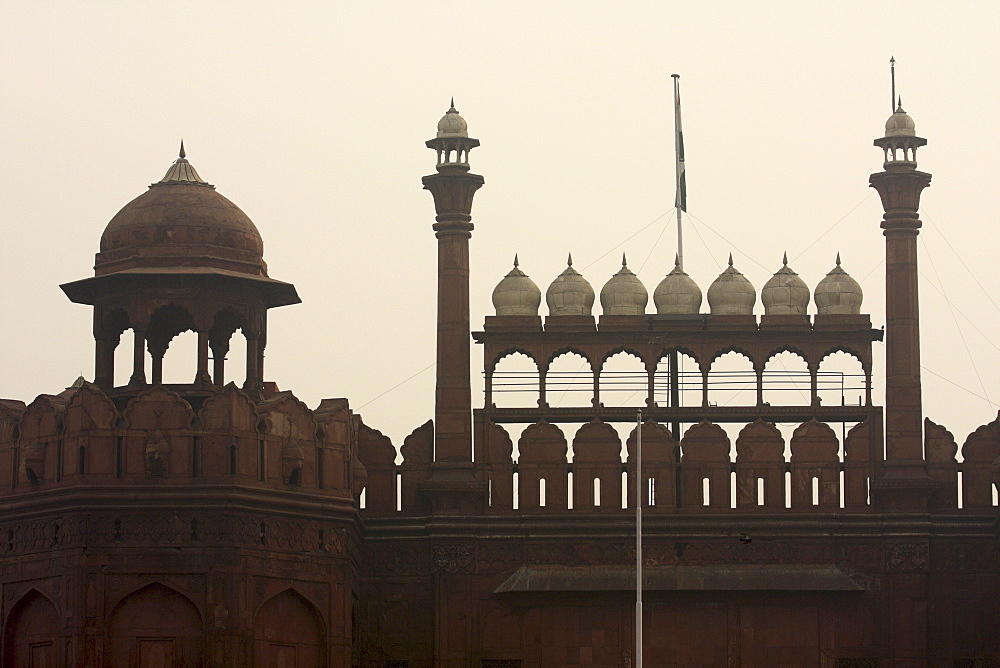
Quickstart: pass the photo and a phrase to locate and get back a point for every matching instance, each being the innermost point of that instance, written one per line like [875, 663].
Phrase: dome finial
[452, 108]
[515, 259]
[784, 259]
[569, 260]
[182, 154]
[624, 262]
[677, 259]
[730, 259]
[838, 258]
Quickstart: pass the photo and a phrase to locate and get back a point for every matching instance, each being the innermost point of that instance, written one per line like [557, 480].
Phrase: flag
[681, 200]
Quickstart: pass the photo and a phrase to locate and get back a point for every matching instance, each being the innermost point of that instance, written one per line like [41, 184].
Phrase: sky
[312, 118]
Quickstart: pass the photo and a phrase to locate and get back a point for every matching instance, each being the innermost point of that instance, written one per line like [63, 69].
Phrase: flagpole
[639, 494]
[680, 201]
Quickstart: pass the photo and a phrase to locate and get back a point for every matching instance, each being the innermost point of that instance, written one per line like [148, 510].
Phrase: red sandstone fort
[206, 524]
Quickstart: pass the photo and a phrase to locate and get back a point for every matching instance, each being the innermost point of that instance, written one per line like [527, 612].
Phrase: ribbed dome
[731, 293]
[181, 221]
[570, 293]
[451, 124]
[624, 294]
[838, 293]
[785, 293]
[516, 294]
[677, 293]
[900, 124]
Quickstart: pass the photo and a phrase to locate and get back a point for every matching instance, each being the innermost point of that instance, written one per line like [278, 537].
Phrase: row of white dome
[730, 294]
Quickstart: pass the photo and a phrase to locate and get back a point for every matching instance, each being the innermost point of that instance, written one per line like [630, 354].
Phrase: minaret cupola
[452, 142]
[624, 293]
[570, 293]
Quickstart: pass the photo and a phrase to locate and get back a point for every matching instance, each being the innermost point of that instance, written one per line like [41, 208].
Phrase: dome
[516, 294]
[838, 293]
[451, 124]
[677, 293]
[624, 294]
[731, 293]
[785, 293]
[900, 124]
[181, 221]
[570, 293]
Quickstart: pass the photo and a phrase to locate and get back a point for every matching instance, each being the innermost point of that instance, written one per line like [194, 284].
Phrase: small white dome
[677, 293]
[624, 294]
[900, 124]
[516, 294]
[838, 293]
[451, 124]
[570, 293]
[731, 293]
[785, 293]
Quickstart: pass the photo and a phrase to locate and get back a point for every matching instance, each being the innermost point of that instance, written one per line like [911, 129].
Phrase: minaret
[899, 184]
[453, 188]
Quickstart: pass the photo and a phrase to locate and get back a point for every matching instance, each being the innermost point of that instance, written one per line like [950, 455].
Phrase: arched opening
[124, 356]
[515, 382]
[569, 381]
[688, 381]
[623, 380]
[289, 631]
[30, 637]
[154, 626]
[732, 381]
[787, 381]
[228, 352]
[841, 380]
[162, 333]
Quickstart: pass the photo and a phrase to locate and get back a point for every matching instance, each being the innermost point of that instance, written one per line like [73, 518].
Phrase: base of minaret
[453, 489]
[904, 489]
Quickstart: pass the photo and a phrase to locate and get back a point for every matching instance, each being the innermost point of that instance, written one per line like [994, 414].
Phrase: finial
[838, 258]
[677, 259]
[730, 259]
[515, 260]
[892, 70]
[900, 107]
[182, 154]
[784, 259]
[623, 259]
[452, 103]
[569, 260]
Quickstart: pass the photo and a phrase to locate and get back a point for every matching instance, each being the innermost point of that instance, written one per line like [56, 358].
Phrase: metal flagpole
[640, 488]
[680, 201]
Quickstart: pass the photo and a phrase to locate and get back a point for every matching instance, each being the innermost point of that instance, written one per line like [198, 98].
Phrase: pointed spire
[784, 259]
[624, 262]
[899, 107]
[569, 260]
[452, 108]
[515, 260]
[730, 259]
[677, 259]
[838, 258]
[182, 154]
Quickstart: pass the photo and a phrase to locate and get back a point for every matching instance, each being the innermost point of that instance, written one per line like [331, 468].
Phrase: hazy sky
[312, 117]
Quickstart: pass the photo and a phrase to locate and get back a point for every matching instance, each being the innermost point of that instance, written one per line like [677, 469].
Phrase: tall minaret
[453, 188]
[899, 184]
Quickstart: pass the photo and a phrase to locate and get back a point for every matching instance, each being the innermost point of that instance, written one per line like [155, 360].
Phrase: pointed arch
[31, 635]
[289, 630]
[155, 624]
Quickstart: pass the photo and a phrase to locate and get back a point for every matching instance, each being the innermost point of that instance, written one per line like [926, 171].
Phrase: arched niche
[786, 380]
[154, 626]
[688, 379]
[514, 381]
[623, 380]
[289, 631]
[841, 380]
[569, 380]
[732, 380]
[31, 635]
